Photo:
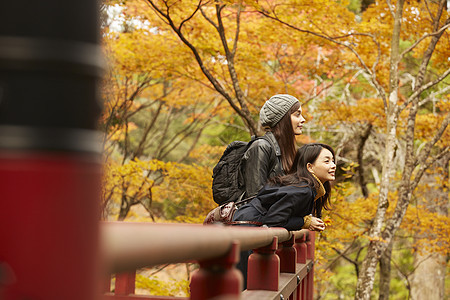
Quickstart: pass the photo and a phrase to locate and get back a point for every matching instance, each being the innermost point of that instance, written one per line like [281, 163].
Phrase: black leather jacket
[261, 161]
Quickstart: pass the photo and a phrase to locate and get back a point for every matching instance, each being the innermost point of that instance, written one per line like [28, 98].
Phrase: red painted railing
[281, 266]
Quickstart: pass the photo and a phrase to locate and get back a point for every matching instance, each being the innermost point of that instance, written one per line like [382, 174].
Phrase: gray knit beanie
[275, 108]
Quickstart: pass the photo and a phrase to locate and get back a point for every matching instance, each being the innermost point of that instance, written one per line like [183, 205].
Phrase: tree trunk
[385, 273]
[377, 246]
[361, 177]
[428, 281]
[124, 208]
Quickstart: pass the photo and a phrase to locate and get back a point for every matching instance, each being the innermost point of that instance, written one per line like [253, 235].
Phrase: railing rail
[281, 266]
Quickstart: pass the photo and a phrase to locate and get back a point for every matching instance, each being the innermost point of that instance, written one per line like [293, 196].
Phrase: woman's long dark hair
[299, 174]
[284, 134]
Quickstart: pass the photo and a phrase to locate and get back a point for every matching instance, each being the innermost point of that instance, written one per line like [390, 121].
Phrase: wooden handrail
[129, 246]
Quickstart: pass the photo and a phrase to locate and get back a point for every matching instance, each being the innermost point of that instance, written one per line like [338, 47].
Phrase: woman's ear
[309, 166]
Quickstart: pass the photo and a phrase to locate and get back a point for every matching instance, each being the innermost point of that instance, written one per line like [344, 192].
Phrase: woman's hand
[316, 224]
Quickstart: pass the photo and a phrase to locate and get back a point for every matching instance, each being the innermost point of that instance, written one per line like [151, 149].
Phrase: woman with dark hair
[273, 155]
[295, 201]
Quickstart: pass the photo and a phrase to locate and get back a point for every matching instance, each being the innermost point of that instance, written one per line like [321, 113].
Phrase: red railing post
[288, 260]
[302, 250]
[288, 256]
[310, 242]
[264, 268]
[125, 283]
[301, 247]
[218, 277]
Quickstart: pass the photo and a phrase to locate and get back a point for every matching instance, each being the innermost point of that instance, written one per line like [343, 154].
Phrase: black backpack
[227, 184]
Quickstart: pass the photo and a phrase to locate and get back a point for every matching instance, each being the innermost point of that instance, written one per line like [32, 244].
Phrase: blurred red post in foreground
[50, 166]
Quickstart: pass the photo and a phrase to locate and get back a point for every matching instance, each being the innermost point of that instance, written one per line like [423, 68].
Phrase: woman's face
[324, 167]
[297, 121]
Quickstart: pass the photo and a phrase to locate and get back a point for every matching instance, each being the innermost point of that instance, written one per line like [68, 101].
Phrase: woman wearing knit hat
[274, 154]
[282, 119]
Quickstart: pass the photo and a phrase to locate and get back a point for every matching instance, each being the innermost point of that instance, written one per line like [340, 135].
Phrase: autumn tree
[403, 31]
[207, 58]
[226, 45]
[373, 81]
[152, 114]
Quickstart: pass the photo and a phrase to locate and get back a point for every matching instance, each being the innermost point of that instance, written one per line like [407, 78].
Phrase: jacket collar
[320, 190]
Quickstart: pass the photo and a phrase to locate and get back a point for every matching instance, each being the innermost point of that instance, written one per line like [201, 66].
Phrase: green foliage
[354, 6]
[221, 134]
[343, 282]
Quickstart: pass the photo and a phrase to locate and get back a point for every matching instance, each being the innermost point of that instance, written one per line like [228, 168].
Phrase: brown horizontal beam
[128, 246]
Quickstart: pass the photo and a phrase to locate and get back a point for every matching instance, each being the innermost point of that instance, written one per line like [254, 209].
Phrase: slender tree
[383, 227]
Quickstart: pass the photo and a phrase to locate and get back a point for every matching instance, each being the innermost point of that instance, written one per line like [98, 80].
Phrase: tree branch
[231, 68]
[423, 167]
[191, 16]
[209, 19]
[353, 262]
[422, 88]
[140, 148]
[238, 26]
[345, 44]
[423, 155]
[433, 95]
[422, 38]
[241, 111]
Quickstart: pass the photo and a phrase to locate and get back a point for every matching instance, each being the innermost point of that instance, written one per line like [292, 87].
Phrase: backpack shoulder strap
[276, 153]
[272, 141]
